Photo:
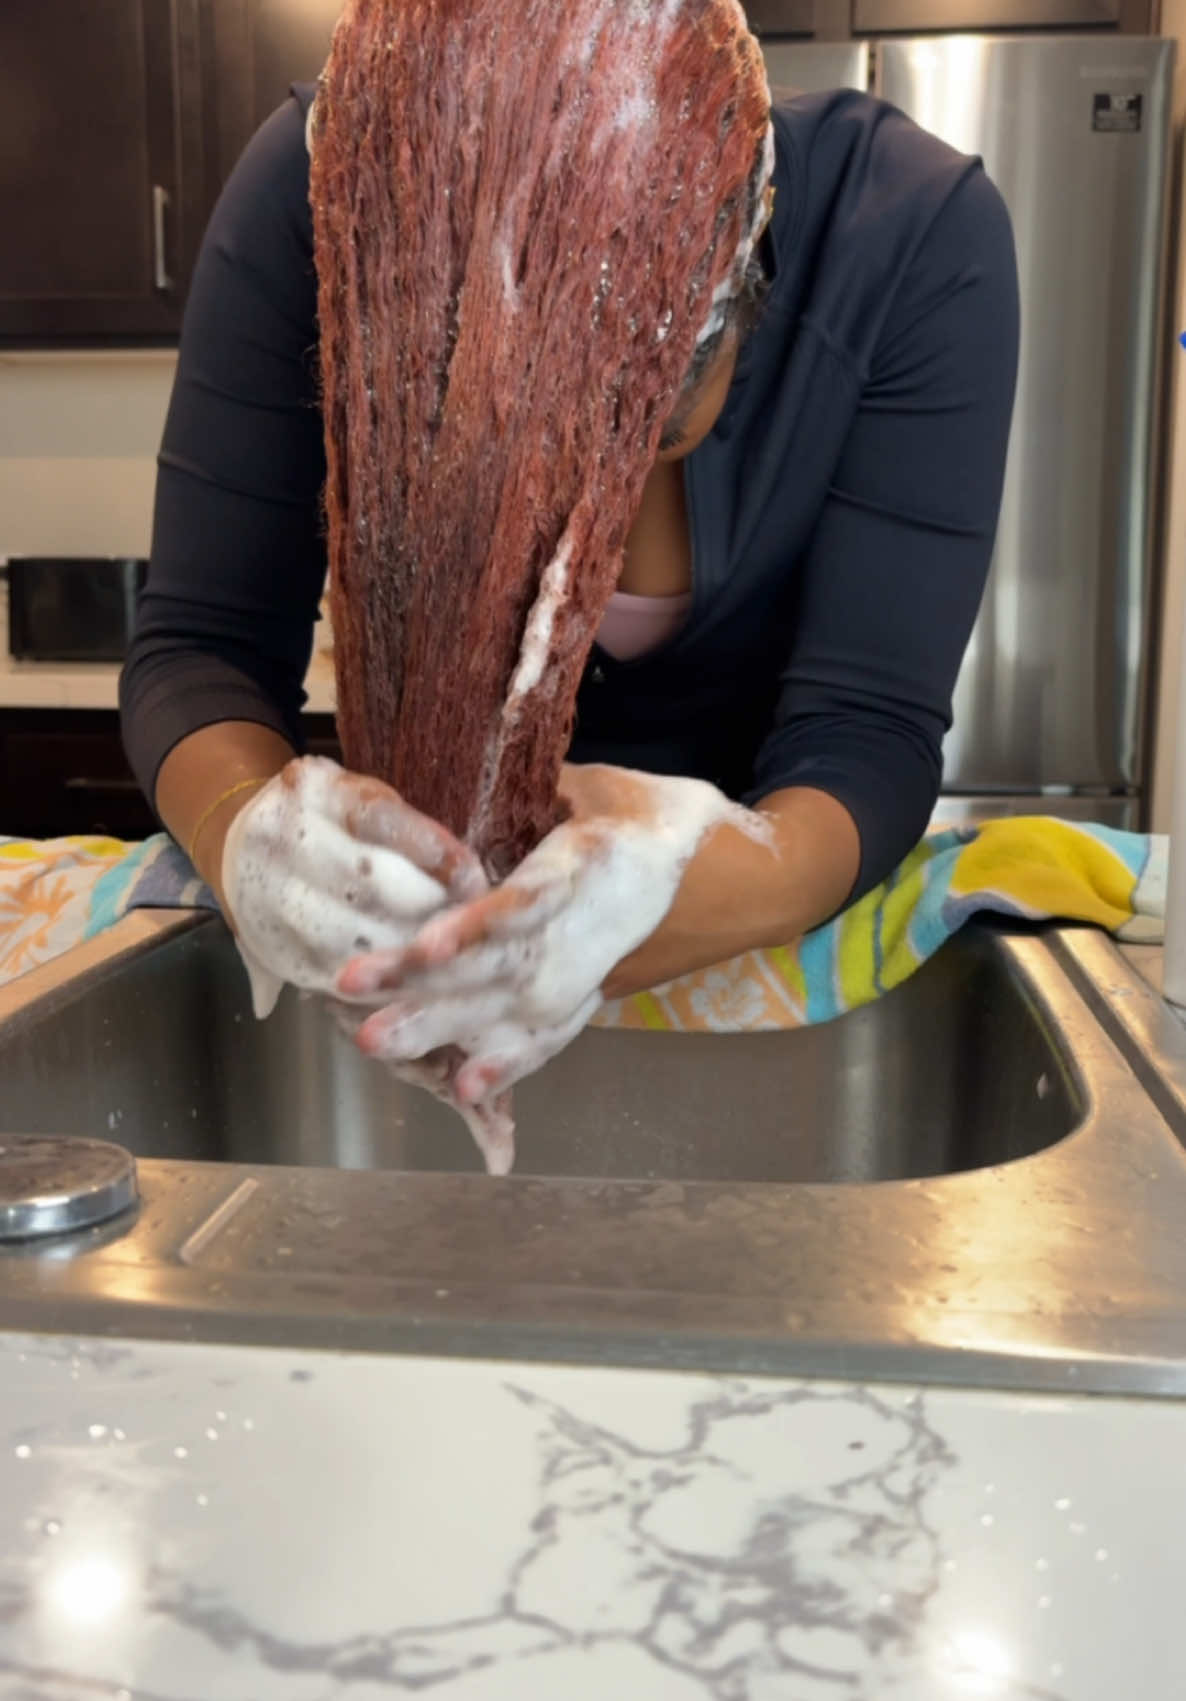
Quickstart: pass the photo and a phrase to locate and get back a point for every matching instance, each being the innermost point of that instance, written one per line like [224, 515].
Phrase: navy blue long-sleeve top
[842, 510]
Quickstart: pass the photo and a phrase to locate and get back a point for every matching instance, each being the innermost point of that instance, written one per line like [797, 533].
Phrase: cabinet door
[872, 17]
[261, 47]
[64, 771]
[96, 140]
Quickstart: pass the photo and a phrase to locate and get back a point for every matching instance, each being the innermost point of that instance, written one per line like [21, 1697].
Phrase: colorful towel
[57, 892]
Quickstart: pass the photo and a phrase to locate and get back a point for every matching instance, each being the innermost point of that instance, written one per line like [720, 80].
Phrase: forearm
[740, 894]
[207, 778]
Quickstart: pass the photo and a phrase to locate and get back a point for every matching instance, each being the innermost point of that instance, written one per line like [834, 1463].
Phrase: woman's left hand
[512, 976]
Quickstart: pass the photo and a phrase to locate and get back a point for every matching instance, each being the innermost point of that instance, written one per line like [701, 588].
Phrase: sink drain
[56, 1183]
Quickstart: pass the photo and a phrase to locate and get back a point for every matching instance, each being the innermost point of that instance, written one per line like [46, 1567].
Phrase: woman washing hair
[505, 319]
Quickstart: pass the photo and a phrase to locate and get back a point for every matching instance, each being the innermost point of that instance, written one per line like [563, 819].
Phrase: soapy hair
[532, 223]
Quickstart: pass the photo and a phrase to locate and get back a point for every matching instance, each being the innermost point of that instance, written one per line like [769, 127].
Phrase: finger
[516, 1051]
[299, 833]
[403, 1031]
[314, 933]
[509, 968]
[439, 942]
[376, 815]
[385, 883]
[512, 912]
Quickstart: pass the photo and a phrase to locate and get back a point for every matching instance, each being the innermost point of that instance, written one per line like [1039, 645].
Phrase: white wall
[78, 439]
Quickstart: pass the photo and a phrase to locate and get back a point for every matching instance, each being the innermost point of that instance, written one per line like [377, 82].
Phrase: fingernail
[380, 1033]
[363, 975]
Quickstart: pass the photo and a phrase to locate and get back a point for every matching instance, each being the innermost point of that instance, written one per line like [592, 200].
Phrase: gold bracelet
[211, 808]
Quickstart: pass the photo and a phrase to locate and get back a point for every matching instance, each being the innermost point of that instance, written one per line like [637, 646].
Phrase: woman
[799, 556]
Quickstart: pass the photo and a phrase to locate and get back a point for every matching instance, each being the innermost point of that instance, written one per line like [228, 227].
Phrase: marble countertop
[189, 1523]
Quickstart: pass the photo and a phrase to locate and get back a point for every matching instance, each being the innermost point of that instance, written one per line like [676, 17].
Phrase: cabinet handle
[160, 270]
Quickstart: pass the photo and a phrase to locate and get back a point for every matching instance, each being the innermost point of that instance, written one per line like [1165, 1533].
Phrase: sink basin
[959, 1068]
[655, 1216]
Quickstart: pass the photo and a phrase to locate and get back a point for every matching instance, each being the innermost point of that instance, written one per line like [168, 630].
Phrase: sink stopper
[59, 1183]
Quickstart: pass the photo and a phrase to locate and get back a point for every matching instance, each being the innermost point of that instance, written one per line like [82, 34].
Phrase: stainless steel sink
[1019, 1106]
[958, 1068]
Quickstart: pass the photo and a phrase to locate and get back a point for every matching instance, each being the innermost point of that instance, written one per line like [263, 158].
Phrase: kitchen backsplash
[79, 434]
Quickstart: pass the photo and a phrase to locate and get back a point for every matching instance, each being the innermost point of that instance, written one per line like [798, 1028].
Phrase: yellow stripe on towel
[855, 960]
[1047, 868]
[790, 970]
[649, 1009]
[899, 959]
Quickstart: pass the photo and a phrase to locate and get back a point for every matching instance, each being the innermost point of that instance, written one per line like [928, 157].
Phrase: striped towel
[57, 892]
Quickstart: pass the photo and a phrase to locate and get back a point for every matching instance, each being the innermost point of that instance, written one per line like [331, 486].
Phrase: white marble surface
[206, 1524]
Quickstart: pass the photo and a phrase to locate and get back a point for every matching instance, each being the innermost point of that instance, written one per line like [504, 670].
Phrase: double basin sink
[979, 1178]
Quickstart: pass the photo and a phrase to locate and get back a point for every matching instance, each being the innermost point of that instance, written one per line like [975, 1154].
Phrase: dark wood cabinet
[64, 771]
[120, 121]
[258, 49]
[101, 168]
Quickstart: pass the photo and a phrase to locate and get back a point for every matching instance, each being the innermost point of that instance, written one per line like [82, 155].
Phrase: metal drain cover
[55, 1183]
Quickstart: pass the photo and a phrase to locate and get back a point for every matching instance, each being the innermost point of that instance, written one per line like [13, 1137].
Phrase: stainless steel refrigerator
[1051, 703]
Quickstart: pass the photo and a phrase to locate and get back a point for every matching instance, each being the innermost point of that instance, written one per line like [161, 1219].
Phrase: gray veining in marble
[201, 1525]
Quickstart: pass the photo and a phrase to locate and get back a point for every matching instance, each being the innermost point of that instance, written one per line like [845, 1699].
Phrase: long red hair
[526, 215]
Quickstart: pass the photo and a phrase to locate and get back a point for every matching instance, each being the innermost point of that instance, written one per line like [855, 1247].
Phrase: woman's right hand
[322, 865]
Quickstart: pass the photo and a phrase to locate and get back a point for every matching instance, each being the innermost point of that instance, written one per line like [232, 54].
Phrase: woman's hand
[323, 864]
[511, 976]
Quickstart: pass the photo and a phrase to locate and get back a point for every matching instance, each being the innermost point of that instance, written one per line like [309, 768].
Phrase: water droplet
[987, 1519]
[202, 1499]
[885, 1600]
[1101, 1553]
[181, 1452]
[220, 1417]
[24, 1451]
[990, 1488]
[52, 1527]
[212, 1435]
[1076, 1529]
[248, 1423]
[120, 1434]
[97, 1431]
[1062, 1505]
[1056, 1668]
[949, 1565]
[1041, 1565]
[1043, 1601]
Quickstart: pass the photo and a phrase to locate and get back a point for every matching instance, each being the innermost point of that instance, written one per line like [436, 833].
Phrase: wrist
[741, 893]
[208, 840]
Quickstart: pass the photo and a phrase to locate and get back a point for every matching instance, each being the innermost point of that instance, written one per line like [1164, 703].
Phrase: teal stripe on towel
[113, 888]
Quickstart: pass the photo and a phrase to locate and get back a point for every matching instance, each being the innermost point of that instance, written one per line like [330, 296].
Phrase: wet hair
[533, 228]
